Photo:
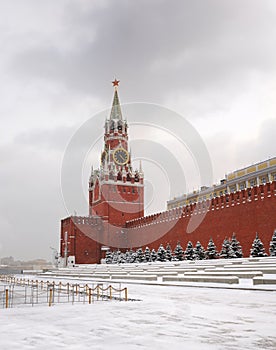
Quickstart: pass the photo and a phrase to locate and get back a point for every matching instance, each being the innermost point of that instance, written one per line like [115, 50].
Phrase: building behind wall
[248, 177]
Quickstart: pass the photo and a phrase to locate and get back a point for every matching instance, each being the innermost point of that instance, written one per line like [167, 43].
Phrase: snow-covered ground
[167, 317]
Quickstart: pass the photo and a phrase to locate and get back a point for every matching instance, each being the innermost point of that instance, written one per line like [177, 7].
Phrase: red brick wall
[83, 239]
[245, 213]
[119, 204]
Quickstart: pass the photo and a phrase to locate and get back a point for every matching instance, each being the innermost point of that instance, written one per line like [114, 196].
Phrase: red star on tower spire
[115, 82]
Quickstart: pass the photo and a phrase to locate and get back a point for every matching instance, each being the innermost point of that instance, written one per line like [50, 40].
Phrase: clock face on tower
[120, 156]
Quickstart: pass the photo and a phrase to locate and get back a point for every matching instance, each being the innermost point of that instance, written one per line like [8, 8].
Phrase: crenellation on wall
[237, 213]
[224, 201]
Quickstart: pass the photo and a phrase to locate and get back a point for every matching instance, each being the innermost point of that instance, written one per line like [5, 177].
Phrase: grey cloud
[263, 147]
[154, 44]
[47, 139]
[31, 202]
[231, 156]
[265, 143]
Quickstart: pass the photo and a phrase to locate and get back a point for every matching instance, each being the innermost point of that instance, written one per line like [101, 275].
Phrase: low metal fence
[20, 291]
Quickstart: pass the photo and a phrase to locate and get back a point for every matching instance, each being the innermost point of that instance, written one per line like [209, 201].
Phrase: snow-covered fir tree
[237, 249]
[127, 257]
[122, 258]
[132, 256]
[211, 251]
[161, 253]
[179, 252]
[257, 249]
[226, 250]
[140, 255]
[168, 252]
[154, 255]
[272, 245]
[119, 256]
[115, 257]
[189, 252]
[108, 257]
[147, 254]
[199, 251]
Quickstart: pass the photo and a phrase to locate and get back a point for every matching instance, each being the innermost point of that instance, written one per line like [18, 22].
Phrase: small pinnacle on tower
[140, 167]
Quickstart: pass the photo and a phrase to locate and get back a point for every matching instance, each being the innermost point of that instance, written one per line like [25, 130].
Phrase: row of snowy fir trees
[230, 249]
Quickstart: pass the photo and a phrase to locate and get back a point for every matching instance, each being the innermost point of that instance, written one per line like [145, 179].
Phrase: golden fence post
[7, 298]
[125, 294]
[51, 296]
[76, 289]
[110, 292]
[89, 296]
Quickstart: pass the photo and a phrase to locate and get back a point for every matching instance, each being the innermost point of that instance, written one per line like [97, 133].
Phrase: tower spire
[116, 112]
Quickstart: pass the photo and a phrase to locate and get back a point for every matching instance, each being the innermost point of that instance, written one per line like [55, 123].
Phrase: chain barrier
[19, 291]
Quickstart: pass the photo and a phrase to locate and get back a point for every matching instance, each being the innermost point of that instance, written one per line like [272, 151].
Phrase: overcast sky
[211, 61]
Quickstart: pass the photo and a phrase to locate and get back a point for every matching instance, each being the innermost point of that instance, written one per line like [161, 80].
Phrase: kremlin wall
[116, 207]
[244, 212]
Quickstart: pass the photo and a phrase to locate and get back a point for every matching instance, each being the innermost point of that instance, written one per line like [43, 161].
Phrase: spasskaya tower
[116, 190]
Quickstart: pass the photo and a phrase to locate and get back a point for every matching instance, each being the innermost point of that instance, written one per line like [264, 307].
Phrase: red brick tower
[116, 191]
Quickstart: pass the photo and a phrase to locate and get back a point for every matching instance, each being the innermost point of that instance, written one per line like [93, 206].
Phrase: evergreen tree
[272, 245]
[127, 257]
[211, 252]
[132, 257]
[118, 256]
[161, 253]
[123, 258]
[257, 249]
[178, 252]
[189, 252]
[108, 257]
[115, 257]
[140, 255]
[199, 251]
[153, 255]
[168, 252]
[237, 249]
[147, 254]
[226, 250]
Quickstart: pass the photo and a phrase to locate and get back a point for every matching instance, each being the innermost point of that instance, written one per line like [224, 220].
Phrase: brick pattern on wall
[245, 213]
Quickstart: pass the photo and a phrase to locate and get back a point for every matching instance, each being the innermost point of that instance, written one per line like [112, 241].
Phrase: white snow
[166, 318]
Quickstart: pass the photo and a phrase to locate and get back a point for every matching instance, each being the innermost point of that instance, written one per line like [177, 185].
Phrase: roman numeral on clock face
[120, 156]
